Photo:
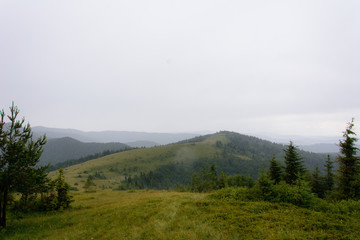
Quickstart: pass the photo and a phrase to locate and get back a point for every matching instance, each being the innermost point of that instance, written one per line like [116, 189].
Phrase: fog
[269, 67]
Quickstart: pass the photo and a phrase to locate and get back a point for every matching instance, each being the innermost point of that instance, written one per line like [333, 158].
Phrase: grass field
[107, 214]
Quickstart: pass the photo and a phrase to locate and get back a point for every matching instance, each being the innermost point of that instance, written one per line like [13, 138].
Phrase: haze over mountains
[70, 144]
[318, 144]
[127, 137]
[58, 150]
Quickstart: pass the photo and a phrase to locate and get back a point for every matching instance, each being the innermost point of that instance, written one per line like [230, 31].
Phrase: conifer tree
[62, 189]
[317, 183]
[264, 186]
[349, 168]
[275, 173]
[223, 183]
[206, 180]
[213, 178]
[194, 185]
[294, 168]
[89, 184]
[329, 178]
[18, 156]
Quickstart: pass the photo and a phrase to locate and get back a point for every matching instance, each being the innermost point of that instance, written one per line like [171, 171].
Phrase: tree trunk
[4, 203]
[1, 195]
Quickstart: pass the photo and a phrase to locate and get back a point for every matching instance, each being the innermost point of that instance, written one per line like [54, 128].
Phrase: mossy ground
[107, 214]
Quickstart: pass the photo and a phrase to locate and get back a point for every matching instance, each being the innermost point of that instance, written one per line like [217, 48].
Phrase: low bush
[281, 193]
[297, 195]
[348, 207]
[56, 197]
[233, 193]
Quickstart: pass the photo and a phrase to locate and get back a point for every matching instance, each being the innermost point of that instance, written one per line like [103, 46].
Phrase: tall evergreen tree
[329, 178]
[206, 180]
[195, 182]
[294, 168]
[275, 173]
[18, 156]
[317, 183]
[223, 183]
[349, 168]
[62, 188]
[213, 178]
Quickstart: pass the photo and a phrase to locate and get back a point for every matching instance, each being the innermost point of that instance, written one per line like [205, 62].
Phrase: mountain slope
[62, 149]
[163, 166]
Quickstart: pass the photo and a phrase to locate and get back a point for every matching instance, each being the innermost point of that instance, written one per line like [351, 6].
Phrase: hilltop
[163, 166]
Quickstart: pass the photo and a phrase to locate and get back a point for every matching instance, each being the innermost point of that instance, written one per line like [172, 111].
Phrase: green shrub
[297, 195]
[264, 188]
[281, 193]
[233, 193]
[240, 181]
[56, 197]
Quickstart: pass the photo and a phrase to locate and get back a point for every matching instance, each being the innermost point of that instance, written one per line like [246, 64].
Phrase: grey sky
[285, 67]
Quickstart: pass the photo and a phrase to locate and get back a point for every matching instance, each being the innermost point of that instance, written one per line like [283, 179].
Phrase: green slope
[162, 166]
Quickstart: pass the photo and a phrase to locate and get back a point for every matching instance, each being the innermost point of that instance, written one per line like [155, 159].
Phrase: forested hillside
[164, 166]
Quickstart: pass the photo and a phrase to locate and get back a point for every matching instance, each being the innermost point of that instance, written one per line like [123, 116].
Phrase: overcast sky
[278, 67]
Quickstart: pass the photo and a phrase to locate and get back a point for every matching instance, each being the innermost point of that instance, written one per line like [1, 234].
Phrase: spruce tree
[317, 183]
[62, 188]
[275, 170]
[294, 168]
[213, 178]
[195, 183]
[329, 178]
[223, 183]
[349, 169]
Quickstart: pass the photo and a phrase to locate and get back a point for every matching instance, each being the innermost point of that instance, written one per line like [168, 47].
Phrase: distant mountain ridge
[321, 148]
[151, 139]
[61, 149]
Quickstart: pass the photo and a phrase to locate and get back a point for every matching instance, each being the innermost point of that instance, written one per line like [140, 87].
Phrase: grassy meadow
[150, 214]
